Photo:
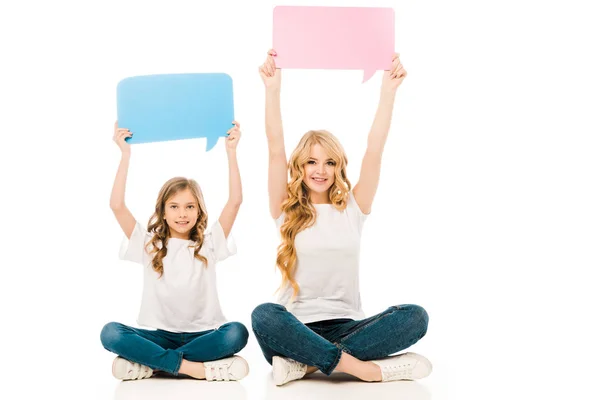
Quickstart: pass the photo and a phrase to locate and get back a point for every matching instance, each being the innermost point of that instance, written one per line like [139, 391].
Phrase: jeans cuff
[175, 371]
[338, 356]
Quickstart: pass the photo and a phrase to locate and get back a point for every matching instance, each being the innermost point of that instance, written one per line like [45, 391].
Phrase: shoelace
[398, 371]
[217, 373]
[296, 369]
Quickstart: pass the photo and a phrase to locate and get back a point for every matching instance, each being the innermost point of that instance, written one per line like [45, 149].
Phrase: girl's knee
[236, 336]
[111, 335]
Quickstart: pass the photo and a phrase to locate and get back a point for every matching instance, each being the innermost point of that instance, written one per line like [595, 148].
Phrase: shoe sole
[114, 368]
[277, 366]
[120, 367]
[246, 367]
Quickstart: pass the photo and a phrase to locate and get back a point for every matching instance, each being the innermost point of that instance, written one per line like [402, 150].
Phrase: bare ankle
[363, 370]
[310, 370]
[193, 369]
[373, 372]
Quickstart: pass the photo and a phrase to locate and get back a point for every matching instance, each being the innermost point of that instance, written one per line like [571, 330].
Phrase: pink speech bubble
[334, 38]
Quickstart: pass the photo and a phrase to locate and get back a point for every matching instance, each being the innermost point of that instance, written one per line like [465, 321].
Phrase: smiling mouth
[319, 180]
[183, 223]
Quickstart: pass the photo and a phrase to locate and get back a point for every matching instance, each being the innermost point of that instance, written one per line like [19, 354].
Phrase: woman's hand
[394, 77]
[270, 74]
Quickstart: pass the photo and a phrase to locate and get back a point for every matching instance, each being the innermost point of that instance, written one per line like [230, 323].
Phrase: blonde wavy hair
[159, 228]
[299, 211]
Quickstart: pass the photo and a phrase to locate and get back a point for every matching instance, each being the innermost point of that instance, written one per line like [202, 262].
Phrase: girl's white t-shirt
[327, 270]
[184, 298]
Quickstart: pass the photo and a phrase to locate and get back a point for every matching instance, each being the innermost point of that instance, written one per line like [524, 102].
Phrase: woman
[318, 323]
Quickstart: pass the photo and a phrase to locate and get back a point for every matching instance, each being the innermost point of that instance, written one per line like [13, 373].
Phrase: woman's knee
[419, 317]
[264, 316]
[111, 335]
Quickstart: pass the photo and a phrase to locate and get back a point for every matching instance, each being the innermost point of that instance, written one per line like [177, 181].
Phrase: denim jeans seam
[176, 371]
[343, 348]
[335, 363]
[269, 339]
[366, 325]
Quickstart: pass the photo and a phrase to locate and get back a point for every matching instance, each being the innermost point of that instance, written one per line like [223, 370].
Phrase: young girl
[191, 336]
[319, 323]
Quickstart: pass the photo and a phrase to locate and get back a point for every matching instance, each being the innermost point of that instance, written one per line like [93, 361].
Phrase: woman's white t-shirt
[184, 298]
[327, 271]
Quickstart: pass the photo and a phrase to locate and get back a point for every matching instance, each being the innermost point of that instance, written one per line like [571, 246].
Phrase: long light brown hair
[299, 211]
[159, 228]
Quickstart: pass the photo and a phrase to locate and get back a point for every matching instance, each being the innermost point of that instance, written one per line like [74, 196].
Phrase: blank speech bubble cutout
[334, 38]
[157, 108]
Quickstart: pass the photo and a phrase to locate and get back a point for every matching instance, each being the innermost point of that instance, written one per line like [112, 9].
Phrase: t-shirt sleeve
[218, 245]
[279, 220]
[355, 211]
[133, 249]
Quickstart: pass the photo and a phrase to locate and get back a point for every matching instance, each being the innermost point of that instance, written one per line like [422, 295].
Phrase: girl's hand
[270, 74]
[119, 138]
[233, 137]
[394, 77]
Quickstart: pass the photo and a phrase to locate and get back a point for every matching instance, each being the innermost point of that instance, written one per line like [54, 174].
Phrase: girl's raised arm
[117, 196]
[234, 201]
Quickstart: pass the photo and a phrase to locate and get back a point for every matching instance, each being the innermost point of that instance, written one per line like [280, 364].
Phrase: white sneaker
[227, 369]
[126, 370]
[407, 366]
[286, 370]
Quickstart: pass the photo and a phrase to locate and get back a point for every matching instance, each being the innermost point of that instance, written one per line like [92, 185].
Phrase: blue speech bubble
[157, 108]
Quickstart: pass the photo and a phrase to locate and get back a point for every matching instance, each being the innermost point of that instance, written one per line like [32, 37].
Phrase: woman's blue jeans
[321, 343]
[163, 350]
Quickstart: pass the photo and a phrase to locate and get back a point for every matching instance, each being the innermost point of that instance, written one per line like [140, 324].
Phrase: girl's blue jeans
[163, 350]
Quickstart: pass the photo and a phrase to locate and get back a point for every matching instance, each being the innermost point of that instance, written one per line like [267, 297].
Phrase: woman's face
[319, 171]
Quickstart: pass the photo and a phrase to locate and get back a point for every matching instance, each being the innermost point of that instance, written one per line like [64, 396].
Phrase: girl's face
[319, 173]
[181, 213]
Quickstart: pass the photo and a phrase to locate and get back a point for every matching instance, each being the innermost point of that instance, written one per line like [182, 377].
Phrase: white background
[486, 215]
